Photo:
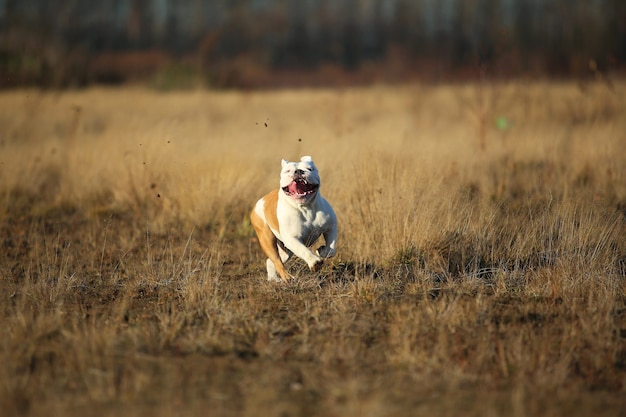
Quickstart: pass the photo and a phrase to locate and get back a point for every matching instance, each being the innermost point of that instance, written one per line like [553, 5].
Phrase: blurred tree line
[266, 42]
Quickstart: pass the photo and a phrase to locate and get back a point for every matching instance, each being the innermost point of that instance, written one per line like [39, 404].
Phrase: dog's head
[300, 181]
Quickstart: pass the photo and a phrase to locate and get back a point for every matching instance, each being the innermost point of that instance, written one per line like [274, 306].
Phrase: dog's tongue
[299, 187]
[296, 187]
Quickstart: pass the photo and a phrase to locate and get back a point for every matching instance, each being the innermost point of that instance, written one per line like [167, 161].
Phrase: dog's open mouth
[300, 188]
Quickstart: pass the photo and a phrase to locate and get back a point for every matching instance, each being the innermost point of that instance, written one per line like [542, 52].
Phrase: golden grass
[481, 270]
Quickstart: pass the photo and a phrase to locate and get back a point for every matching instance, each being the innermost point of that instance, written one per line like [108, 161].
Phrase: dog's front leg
[330, 244]
[303, 252]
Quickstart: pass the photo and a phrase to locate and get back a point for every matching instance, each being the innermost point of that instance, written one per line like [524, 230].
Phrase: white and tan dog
[289, 220]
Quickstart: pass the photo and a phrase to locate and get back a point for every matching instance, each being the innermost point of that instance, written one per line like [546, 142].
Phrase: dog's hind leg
[269, 244]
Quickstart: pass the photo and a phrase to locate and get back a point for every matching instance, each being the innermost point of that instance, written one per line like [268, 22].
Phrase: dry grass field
[481, 268]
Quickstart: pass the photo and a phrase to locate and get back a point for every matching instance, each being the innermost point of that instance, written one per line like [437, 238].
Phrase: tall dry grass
[481, 265]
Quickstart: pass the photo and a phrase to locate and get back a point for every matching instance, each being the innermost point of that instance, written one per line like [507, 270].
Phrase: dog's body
[289, 220]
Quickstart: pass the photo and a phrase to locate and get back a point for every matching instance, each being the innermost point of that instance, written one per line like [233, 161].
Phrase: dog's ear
[283, 163]
[306, 159]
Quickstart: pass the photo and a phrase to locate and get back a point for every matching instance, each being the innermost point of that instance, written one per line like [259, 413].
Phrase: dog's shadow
[333, 272]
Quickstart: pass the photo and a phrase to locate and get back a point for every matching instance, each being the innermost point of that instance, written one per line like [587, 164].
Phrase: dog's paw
[273, 278]
[317, 265]
[279, 278]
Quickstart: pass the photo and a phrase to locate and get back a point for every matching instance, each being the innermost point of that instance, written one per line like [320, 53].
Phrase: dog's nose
[299, 172]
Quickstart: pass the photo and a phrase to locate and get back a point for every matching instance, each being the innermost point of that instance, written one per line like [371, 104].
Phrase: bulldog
[289, 220]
